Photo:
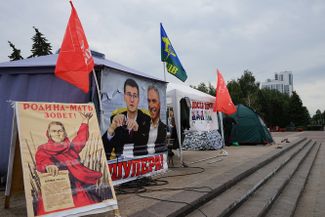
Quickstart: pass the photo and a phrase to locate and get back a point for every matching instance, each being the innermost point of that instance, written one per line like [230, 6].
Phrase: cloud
[312, 95]
[261, 36]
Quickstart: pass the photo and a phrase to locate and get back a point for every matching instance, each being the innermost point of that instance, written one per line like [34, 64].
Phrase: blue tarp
[30, 87]
[33, 80]
[46, 64]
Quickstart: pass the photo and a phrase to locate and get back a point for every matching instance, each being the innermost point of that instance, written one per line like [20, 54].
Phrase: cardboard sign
[63, 160]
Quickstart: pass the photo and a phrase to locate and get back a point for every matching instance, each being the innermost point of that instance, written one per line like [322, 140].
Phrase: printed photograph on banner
[64, 161]
[203, 133]
[202, 117]
[134, 125]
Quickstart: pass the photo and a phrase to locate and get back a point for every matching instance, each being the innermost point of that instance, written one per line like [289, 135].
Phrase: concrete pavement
[171, 185]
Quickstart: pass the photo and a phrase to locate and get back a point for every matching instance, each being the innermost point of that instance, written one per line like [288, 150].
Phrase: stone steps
[274, 174]
[234, 188]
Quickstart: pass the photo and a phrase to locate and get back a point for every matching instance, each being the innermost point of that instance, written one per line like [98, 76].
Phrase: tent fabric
[176, 92]
[43, 63]
[30, 87]
[181, 90]
[249, 127]
[33, 79]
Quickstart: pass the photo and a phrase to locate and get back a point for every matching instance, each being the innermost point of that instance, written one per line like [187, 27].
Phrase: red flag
[75, 61]
[223, 100]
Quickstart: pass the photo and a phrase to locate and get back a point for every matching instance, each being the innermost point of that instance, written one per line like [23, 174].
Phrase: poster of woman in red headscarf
[64, 162]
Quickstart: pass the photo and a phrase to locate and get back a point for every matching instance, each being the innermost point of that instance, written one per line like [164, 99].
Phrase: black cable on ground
[185, 174]
[139, 187]
[136, 185]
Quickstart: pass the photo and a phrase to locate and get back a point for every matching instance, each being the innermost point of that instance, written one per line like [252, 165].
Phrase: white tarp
[175, 92]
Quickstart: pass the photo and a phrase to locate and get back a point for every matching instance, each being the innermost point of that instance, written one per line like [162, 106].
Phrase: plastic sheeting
[205, 140]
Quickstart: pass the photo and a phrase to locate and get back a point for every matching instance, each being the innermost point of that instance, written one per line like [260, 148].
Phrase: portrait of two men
[134, 118]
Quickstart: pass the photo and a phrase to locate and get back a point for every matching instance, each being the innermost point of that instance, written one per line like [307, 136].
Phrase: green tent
[249, 127]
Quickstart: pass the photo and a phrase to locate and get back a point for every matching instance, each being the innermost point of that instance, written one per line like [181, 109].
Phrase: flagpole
[99, 96]
[221, 129]
[164, 66]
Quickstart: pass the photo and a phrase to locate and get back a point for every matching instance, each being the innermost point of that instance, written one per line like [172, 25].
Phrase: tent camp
[249, 127]
[199, 113]
[33, 79]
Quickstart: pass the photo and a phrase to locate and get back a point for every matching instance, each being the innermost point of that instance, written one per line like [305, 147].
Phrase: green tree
[276, 109]
[273, 106]
[317, 119]
[235, 92]
[15, 55]
[40, 45]
[211, 90]
[244, 90]
[203, 87]
[249, 88]
[298, 113]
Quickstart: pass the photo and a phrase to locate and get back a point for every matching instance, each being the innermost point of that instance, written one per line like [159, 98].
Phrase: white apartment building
[283, 82]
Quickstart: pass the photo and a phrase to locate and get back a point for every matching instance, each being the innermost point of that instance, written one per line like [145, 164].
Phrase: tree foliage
[15, 55]
[273, 106]
[244, 90]
[211, 90]
[235, 92]
[40, 45]
[203, 87]
[298, 113]
[318, 118]
[249, 88]
[276, 109]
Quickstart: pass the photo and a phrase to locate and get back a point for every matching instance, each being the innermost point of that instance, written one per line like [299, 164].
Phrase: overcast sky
[233, 35]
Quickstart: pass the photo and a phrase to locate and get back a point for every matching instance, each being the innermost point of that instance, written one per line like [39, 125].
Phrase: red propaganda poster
[64, 164]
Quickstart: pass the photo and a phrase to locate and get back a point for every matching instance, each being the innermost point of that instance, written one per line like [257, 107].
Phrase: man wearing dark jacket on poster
[158, 130]
[128, 126]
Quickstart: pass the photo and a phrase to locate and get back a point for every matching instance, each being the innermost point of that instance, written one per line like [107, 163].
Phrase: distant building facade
[283, 82]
